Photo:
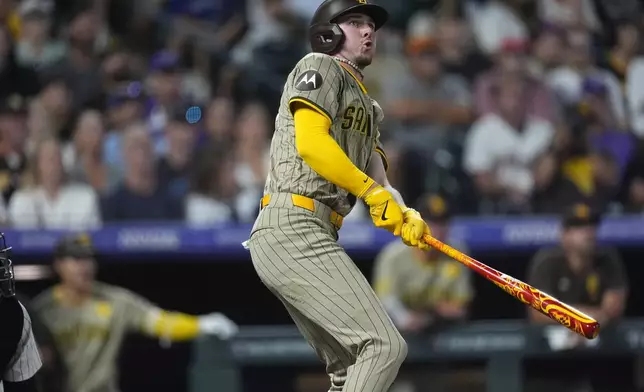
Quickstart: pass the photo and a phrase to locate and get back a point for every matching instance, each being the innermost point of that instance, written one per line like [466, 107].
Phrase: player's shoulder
[44, 300]
[607, 256]
[110, 292]
[318, 62]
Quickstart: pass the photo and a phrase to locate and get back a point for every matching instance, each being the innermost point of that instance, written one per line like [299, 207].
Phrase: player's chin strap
[351, 64]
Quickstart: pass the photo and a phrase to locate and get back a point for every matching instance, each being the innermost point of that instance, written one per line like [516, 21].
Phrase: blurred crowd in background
[114, 110]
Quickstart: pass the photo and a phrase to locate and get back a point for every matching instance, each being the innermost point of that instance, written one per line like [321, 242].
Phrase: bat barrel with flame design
[564, 314]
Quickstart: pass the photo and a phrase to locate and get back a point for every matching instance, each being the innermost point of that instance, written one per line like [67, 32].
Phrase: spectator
[175, 165]
[586, 276]
[125, 107]
[270, 22]
[36, 48]
[633, 183]
[83, 156]
[547, 52]
[220, 120]
[52, 202]
[165, 90]
[573, 171]
[13, 131]
[50, 113]
[80, 69]
[15, 79]
[458, 54]
[626, 47]
[252, 159]
[89, 320]
[426, 106]
[140, 196]
[423, 288]
[494, 22]
[511, 61]
[602, 125]
[213, 188]
[569, 14]
[567, 81]
[500, 150]
[635, 95]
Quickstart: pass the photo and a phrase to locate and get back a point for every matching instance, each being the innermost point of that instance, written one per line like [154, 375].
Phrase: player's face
[580, 239]
[360, 39]
[77, 273]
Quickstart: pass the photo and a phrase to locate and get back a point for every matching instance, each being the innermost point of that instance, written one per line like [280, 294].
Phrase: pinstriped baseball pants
[296, 255]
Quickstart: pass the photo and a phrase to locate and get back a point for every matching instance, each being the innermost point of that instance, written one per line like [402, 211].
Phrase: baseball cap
[164, 61]
[75, 246]
[581, 215]
[434, 207]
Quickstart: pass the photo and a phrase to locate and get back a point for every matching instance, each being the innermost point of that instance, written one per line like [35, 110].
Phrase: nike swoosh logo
[384, 211]
[365, 180]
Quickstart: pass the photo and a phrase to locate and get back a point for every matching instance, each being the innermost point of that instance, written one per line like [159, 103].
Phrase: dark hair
[207, 167]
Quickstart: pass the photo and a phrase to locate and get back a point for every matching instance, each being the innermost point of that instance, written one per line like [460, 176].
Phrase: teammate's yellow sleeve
[174, 326]
[323, 154]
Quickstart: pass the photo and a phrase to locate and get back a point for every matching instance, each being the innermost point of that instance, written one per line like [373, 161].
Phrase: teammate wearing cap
[326, 139]
[89, 320]
[19, 356]
[590, 278]
[578, 272]
[421, 287]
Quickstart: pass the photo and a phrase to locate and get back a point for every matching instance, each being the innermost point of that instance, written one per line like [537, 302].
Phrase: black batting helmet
[7, 282]
[326, 36]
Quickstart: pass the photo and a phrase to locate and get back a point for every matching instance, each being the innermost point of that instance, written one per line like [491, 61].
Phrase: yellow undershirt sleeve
[175, 326]
[323, 154]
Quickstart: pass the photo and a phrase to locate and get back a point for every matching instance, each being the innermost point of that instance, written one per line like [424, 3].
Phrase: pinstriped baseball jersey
[401, 271]
[26, 361]
[320, 81]
[89, 336]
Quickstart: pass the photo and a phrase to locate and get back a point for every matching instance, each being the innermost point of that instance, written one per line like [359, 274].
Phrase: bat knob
[591, 330]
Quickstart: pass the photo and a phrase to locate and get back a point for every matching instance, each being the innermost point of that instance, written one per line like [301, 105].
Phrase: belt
[309, 204]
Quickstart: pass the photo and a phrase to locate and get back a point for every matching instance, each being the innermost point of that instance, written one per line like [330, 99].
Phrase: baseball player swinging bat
[564, 314]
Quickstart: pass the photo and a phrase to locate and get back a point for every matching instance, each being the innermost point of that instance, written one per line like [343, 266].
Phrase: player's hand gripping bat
[564, 314]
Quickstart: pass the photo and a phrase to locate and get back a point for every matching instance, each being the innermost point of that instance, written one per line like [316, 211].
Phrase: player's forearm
[175, 326]
[318, 149]
[379, 173]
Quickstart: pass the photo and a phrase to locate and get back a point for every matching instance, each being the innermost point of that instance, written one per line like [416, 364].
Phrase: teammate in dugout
[326, 138]
[590, 277]
[421, 288]
[89, 320]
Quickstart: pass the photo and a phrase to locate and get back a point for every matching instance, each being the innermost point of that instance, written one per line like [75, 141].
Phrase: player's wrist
[369, 187]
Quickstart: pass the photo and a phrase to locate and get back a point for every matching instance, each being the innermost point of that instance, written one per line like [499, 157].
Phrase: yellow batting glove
[384, 210]
[414, 228]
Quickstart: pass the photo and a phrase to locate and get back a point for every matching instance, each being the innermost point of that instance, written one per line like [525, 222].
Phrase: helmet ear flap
[326, 38]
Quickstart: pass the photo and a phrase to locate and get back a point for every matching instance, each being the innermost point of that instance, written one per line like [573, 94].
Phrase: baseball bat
[564, 314]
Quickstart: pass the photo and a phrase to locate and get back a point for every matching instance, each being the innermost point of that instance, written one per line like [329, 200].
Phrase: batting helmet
[324, 33]
[7, 282]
